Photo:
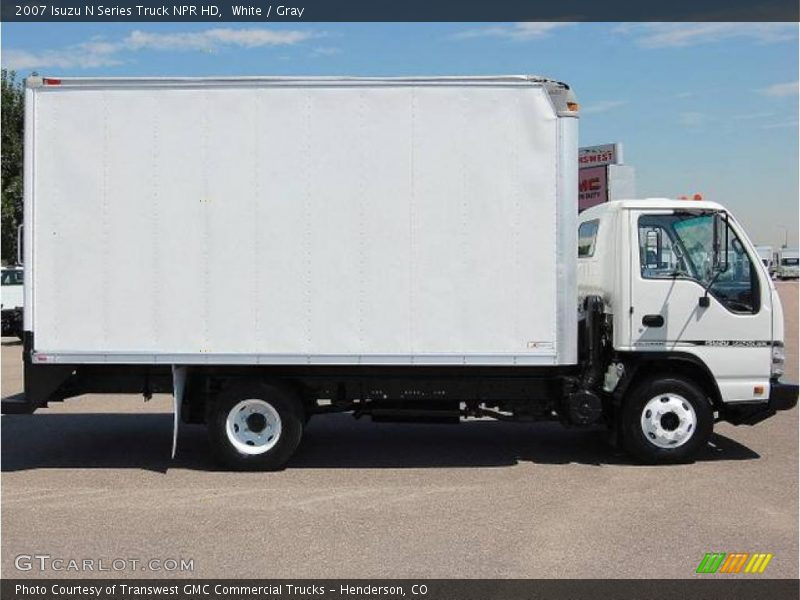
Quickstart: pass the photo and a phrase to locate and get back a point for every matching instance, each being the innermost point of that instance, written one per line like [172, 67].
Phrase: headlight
[778, 360]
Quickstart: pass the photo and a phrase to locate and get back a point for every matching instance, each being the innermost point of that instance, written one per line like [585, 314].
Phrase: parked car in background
[12, 301]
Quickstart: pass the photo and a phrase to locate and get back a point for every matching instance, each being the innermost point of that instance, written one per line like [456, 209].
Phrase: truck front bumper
[782, 396]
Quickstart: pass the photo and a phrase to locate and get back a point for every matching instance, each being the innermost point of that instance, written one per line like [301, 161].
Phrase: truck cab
[686, 302]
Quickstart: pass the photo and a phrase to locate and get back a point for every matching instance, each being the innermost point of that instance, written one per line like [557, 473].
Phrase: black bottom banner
[395, 589]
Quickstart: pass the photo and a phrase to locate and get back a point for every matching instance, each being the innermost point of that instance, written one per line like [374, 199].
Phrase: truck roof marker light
[51, 81]
[573, 106]
[697, 197]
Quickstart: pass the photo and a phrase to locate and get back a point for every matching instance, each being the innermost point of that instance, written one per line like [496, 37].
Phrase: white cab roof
[649, 203]
[56, 81]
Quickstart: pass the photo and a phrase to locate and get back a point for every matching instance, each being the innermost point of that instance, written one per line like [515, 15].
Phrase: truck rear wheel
[255, 426]
[666, 420]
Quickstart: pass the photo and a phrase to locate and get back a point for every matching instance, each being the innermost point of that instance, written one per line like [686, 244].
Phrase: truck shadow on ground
[143, 441]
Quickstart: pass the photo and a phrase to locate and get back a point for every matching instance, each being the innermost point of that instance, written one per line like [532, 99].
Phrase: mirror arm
[704, 301]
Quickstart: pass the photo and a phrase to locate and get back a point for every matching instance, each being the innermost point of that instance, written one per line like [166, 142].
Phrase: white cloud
[789, 88]
[602, 106]
[88, 55]
[211, 39]
[693, 119]
[514, 31]
[780, 125]
[99, 52]
[326, 51]
[681, 35]
[753, 116]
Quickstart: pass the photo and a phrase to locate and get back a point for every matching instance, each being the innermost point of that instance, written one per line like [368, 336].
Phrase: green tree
[11, 153]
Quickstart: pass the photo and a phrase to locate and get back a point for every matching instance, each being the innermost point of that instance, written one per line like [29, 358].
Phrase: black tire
[291, 418]
[674, 389]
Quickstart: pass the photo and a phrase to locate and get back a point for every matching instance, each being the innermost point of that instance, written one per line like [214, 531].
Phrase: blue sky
[703, 107]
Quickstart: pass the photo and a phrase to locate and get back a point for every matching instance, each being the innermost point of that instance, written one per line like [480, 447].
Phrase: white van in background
[787, 267]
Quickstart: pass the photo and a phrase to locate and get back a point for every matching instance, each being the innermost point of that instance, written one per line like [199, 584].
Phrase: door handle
[653, 321]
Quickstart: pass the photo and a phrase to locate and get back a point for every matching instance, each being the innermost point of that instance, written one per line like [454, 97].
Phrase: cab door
[675, 256]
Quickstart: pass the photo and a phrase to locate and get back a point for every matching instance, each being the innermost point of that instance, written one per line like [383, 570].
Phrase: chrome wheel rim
[668, 421]
[253, 426]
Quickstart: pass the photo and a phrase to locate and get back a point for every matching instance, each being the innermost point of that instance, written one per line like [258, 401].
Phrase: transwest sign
[597, 156]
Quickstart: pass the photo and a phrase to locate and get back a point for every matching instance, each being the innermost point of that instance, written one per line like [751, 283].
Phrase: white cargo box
[301, 221]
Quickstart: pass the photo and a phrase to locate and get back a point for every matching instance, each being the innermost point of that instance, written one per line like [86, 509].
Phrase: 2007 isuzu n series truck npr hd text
[409, 249]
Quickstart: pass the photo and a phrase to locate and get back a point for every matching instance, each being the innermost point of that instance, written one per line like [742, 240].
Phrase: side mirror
[652, 247]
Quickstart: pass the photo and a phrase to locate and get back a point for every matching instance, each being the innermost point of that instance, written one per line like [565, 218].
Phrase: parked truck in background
[405, 249]
[787, 267]
[767, 257]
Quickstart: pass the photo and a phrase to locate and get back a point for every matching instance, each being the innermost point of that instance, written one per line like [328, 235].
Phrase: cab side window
[678, 246]
[587, 238]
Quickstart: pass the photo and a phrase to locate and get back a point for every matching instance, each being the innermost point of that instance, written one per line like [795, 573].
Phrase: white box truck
[788, 266]
[268, 249]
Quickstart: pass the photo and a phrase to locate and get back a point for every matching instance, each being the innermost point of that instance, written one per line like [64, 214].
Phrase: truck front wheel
[255, 427]
[666, 420]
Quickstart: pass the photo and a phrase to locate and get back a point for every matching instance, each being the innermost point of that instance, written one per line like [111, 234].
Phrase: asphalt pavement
[91, 479]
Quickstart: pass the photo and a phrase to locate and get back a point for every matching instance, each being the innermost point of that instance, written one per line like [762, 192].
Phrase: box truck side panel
[301, 224]
[71, 222]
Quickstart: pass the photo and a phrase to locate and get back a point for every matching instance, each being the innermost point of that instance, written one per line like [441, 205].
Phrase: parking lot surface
[91, 478]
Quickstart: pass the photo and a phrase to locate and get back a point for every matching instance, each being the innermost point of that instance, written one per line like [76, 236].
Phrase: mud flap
[178, 387]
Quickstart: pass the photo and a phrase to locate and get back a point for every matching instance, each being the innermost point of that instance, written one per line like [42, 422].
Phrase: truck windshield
[682, 246]
[12, 277]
